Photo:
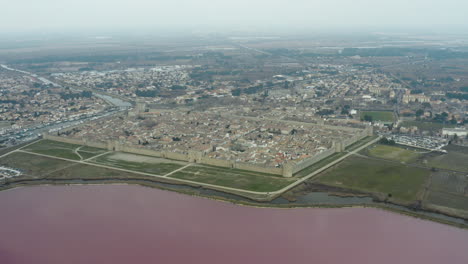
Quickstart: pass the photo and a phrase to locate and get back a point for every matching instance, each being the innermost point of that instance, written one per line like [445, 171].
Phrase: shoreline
[254, 204]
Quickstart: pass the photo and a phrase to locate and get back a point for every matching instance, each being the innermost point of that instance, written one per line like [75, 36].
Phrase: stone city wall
[258, 168]
[94, 144]
[288, 170]
[176, 156]
[312, 160]
[358, 136]
[337, 147]
[196, 157]
[75, 141]
[141, 151]
[217, 162]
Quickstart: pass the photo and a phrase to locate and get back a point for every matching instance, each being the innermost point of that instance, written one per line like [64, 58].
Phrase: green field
[384, 116]
[34, 165]
[144, 164]
[85, 171]
[63, 150]
[404, 183]
[234, 178]
[89, 152]
[395, 153]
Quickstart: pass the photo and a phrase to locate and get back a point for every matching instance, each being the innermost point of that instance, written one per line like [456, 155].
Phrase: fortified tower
[195, 156]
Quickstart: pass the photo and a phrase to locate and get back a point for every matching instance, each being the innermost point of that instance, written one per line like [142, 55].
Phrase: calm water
[131, 224]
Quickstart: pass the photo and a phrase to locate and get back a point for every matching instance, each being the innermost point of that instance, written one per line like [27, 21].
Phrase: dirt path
[179, 169]
[77, 153]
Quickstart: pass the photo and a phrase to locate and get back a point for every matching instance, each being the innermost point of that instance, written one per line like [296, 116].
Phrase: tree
[387, 141]
[178, 87]
[368, 118]
[426, 105]
[420, 112]
[236, 92]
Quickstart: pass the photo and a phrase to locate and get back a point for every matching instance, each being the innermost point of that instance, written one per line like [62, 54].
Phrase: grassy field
[63, 150]
[234, 178]
[395, 153]
[384, 116]
[139, 163]
[89, 152]
[51, 168]
[402, 182]
[85, 171]
[33, 165]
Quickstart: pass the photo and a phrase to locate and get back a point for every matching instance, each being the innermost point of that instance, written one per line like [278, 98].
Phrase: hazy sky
[63, 15]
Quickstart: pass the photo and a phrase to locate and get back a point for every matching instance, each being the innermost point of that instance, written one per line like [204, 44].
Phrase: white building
[459, 131]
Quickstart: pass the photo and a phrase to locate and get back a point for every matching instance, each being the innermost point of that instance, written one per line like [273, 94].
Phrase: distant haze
[66, 15]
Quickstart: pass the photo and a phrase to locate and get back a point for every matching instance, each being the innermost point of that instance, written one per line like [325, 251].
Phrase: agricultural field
[449, 181]
[384, 116]
[395, 153]
[401, 182]
[63, 150]
[456, 159]
[139, 163]
[449, 200]
[234, 178]
[449, 190]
